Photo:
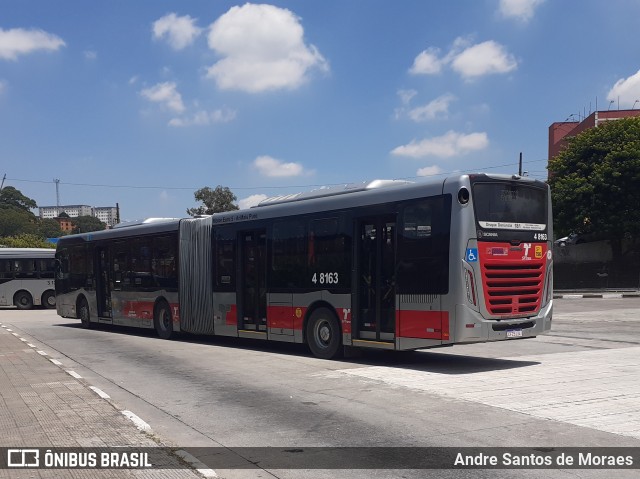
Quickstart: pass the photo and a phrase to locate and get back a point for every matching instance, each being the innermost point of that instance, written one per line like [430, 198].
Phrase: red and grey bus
[388, 264]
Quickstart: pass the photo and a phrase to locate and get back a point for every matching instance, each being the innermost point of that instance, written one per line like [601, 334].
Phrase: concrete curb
[596, 295]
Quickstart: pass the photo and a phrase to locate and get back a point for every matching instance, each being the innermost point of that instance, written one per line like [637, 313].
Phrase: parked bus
[390, 265]
[27, 277]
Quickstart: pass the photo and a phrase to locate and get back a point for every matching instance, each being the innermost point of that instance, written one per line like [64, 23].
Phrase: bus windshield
[508, 206]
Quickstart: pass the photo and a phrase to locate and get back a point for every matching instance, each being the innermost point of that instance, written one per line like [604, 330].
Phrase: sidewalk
[43, 404]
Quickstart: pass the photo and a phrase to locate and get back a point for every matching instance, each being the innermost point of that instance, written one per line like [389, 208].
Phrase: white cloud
[90, 55]
[627, 90]
[438, 108]
[19, 41]
[450, 144]
[262, 48]
[165, 93]
[204, 118]
[522, 10]
[484, 59]
[275, 168]
[427, 63]
[250, 201]
[429, 171]
[406, 96]
[180, 32]
[472, 61]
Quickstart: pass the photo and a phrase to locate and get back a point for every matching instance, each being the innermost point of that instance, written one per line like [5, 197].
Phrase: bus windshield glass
[507, 206]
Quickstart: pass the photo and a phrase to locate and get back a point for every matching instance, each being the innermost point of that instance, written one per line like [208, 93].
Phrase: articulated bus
[388, 264]
[27, 277]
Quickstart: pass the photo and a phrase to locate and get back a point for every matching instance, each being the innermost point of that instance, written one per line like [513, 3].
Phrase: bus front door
[103, 282]
[253, 284]
[375, 272]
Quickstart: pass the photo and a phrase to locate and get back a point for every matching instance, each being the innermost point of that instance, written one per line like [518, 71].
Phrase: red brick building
[559, 130]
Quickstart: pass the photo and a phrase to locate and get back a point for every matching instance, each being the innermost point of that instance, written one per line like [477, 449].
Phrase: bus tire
[49, 299]
[23, 300]
[84, 314]
[323, 334]
[163, 321]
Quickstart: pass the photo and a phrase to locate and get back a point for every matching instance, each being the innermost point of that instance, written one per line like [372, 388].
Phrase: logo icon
[472, 255]
[23, 457]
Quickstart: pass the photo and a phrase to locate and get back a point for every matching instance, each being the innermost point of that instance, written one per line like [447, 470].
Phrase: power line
[262, 187]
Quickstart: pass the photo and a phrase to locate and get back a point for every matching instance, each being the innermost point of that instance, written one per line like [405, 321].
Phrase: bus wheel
[323, 334]
[84, 314]
[23, 300]
[163, 321]
[49, 299]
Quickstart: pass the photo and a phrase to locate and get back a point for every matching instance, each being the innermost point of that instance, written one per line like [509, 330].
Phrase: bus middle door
[103, 281]
[253, 281]
[375, 279]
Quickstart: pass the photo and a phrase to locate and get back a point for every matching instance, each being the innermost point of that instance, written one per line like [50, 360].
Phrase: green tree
[595, 182]
[216, 200]
[85, 224]
[11, 197]
[49, 228]
[26, 240]
[14, 221]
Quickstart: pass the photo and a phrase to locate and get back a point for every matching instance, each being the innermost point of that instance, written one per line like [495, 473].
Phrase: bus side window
[423, 246]
[225, 260]
[289, 254]
[163, 264]
[329, 251]
[5, 269]
[25, 268]
[46, 268]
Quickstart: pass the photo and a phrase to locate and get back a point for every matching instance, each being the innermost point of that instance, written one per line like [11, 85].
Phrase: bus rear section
[27, 277]
[506, 288]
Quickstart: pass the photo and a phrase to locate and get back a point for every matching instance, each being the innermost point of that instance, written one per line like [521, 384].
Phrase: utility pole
[3, 178]
[520, 165]
[57, 182]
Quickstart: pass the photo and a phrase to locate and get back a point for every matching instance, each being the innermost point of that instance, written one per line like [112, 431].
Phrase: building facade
[106, 214]
[563, 129]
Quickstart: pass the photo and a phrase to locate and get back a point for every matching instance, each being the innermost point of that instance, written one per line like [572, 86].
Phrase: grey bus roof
[22, 253]
[331, 191]
[132, 230]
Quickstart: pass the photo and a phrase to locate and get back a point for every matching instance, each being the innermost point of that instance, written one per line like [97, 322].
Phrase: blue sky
[154, 99]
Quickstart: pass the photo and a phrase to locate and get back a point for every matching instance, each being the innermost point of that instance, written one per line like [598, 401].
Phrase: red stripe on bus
[423, 324]
[231, 318]
[144, 310]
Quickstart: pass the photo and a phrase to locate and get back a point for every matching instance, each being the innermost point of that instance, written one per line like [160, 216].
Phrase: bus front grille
[512, 287]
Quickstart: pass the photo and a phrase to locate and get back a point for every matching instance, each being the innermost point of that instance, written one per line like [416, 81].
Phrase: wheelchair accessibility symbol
[472, 255]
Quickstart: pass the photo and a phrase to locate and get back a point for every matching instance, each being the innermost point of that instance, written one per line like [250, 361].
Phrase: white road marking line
[55, 361]
[140, 424]
[199, 466]
[42, 353]
[31, 345]
[100, 392]
[73, 374]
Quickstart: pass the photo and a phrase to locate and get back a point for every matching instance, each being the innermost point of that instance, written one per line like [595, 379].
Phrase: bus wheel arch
[322, 331]
[23, 299]
[49, 299]
[163, 319]
[83, 312]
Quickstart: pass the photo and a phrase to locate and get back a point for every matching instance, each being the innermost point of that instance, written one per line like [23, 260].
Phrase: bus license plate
[514, 333]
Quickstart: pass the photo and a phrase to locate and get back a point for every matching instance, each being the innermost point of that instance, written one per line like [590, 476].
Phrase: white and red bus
[391, 265]
[27, 277]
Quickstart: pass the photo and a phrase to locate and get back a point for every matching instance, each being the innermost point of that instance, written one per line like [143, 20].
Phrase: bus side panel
[225, 314]
[136, 308]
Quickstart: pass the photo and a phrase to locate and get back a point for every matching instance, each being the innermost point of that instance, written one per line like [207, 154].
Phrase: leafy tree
[215, 201]
[595, 182]
[11, 197]
[85, 224]
[49, 228]
[25, 240]
[14, 221]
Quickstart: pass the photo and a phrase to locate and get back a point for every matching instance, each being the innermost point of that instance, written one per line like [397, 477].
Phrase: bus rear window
[510, 206]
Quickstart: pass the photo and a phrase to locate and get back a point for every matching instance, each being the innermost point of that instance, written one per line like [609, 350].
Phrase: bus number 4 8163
[325, 278]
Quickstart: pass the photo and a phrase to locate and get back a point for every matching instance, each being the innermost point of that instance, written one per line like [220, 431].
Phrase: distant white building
[106, 214]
